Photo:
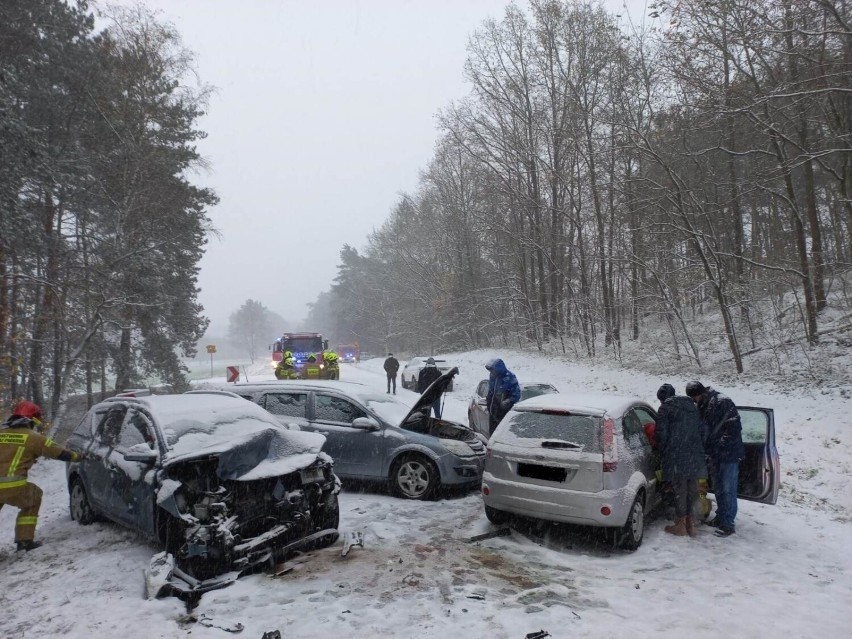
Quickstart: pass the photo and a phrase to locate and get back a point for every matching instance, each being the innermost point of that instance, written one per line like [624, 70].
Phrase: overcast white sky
[324, 113]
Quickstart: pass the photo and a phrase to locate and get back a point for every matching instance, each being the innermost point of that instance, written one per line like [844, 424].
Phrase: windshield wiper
[560, 444]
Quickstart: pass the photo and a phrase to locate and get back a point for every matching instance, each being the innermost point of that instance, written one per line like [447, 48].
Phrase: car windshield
[193, 421]
[534, 390]
[531, 428]
[300, 345]
[389, 409]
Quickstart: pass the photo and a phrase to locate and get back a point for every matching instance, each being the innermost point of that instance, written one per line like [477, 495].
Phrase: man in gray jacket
[680, 438]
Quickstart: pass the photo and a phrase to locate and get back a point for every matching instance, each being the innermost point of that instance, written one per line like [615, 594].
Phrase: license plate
[312, 475]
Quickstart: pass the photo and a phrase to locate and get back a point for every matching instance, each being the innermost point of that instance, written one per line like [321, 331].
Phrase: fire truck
[302, 345]
[349, 353]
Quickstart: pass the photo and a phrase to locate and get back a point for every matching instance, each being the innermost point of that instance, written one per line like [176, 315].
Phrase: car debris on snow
[500, 532]
[352, 539]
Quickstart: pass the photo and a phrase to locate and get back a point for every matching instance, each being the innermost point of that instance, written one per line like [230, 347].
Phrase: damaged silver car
[213, 478]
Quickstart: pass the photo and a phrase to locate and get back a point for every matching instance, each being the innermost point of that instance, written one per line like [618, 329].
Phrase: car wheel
[413, 385]
[497, 517]
[79, 505]
[414, 477]
[630, 536]
[329, 517]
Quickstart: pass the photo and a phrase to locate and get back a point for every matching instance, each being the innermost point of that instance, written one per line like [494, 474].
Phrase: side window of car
[482, 389]
[110, 425]
[633, 431]
[645, 417]
[335, 409]
[135, 430]
[289, 404]
[755, 426]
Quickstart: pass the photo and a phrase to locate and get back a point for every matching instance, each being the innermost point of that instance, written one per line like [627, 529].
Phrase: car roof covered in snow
[210, 423]
[585, 403]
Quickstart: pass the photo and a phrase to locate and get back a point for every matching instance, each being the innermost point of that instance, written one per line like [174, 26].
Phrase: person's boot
[28, 544]
[679, 527]
[690, 526]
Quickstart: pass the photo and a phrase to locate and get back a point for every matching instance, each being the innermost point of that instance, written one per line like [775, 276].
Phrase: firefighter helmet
[28, 409]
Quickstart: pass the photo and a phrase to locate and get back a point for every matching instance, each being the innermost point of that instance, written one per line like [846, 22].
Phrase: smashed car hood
[267, 452]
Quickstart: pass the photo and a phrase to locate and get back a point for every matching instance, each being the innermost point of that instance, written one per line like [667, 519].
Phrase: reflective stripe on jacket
[19, 448]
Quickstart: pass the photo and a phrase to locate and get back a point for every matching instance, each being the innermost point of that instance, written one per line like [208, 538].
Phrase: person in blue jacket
[503, 392]
[724, 448]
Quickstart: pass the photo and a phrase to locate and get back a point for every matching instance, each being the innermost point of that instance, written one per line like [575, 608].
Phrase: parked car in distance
[477, 410]
[413, 367]
[214, 479]
[374, 436]
[585, 459]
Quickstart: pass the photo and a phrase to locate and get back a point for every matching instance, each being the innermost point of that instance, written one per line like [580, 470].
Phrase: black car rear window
[579, 429]
[536, 390]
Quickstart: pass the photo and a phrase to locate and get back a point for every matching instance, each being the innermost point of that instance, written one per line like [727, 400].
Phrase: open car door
[760, 469]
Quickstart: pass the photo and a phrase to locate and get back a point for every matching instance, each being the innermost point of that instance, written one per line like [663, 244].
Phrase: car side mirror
[365, 423]
[141, 453]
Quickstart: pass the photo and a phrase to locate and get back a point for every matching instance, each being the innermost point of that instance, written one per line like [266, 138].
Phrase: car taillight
[610, 447]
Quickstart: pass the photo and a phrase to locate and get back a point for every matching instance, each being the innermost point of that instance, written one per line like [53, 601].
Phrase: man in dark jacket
[391, 367]
[427, 375]
[680, 440]
[503, 392]
[724, 447]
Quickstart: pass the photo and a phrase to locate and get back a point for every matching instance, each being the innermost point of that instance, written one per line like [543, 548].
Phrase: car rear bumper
[557, 503]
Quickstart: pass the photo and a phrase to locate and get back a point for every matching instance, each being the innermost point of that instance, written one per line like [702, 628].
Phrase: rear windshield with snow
[534, 390]
[528, 427]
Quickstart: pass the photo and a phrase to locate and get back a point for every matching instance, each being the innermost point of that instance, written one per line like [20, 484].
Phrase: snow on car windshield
[191, 422]
[387, 407]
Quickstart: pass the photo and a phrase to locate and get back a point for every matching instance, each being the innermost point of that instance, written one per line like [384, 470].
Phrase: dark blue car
[212, 477]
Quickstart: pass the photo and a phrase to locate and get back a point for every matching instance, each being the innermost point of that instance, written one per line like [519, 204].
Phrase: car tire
[413, 385]
[329, 517]
[79, 504]
[414, 476]
[497, 517]
[630, 536]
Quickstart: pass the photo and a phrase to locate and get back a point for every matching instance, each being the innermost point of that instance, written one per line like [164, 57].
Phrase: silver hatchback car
[373, 436]
[585, 459]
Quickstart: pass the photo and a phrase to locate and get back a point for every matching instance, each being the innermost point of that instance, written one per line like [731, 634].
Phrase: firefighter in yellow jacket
[20, 446]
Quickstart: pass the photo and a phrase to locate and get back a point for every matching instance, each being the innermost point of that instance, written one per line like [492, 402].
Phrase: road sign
[233, 374]
[211, 348]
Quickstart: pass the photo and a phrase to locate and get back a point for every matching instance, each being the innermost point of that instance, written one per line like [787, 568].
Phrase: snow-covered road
[788, 570]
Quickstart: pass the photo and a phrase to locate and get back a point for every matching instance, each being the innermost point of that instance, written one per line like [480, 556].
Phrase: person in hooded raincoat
[503, 392]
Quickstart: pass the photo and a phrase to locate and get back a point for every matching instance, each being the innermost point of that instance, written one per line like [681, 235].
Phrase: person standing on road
[427, 375]
[20, 446]
[724, 448]
[680, 439]
[503, 392]
[391, 367]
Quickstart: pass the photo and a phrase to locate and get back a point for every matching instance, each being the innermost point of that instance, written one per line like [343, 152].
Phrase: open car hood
[435, 390]
[264, 453]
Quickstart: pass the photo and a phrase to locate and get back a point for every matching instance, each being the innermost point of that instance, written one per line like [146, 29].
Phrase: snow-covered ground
[788, 570]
